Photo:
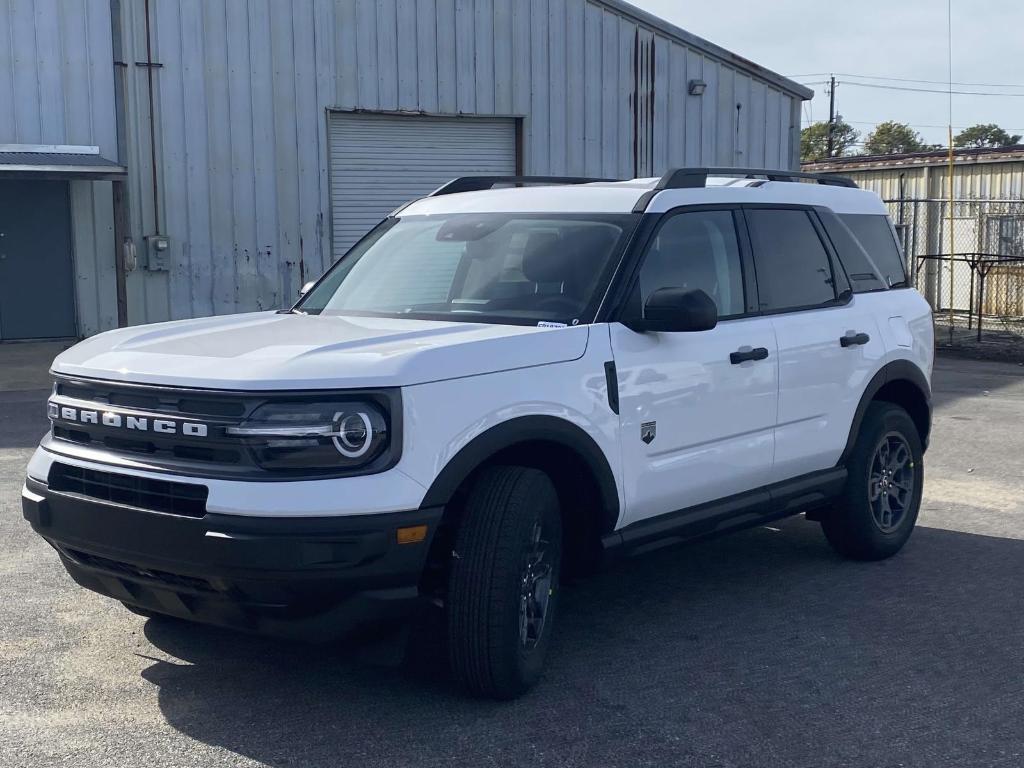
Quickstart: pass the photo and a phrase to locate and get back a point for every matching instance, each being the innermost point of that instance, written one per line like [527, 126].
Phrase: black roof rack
[478, 183]
[690, 178]
[697, 178]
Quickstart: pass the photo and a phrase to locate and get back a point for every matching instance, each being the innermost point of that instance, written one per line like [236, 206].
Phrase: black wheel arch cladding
[524, 430]
[900, 382]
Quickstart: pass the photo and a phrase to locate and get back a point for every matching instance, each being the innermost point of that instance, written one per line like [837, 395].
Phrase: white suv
[497, 386]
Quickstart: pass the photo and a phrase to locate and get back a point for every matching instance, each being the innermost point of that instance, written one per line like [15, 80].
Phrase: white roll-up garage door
[379, 162]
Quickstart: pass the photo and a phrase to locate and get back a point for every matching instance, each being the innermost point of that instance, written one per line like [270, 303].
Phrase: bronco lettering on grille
[125, 421]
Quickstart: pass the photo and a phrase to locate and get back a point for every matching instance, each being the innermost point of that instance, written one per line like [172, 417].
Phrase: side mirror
[306, 288]
[676, 310]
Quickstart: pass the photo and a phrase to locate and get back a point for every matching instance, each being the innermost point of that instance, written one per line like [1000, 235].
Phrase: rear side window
[793, 268]
[879, 245]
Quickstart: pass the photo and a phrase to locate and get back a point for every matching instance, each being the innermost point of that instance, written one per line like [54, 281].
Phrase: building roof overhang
[56, 161]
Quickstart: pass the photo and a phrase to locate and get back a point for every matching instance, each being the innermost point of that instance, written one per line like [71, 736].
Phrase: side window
[793, 268]
[865, 276]
[697, 250]
[877, 238]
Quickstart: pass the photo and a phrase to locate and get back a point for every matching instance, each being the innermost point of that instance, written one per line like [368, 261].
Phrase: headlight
[316, 434]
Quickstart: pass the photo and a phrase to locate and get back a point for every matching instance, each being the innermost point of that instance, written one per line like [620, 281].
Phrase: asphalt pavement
[759, 649]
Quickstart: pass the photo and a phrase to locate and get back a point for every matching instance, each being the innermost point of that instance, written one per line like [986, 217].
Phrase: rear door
[696, 425]
[829, 343]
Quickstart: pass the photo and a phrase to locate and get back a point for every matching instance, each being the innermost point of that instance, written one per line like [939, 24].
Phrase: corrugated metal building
[978, 173]
[245, 144]
[987, 218]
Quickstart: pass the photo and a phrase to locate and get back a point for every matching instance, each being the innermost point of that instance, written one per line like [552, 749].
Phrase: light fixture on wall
[697, 87]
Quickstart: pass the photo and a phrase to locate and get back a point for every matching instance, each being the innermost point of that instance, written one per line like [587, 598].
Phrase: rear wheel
[504, 582]
[883, 490]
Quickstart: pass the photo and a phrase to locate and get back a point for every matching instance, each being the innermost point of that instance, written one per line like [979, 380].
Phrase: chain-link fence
[974, 280]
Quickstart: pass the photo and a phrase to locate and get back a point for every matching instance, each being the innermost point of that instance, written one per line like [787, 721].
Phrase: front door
[696, 424]
[37, 299]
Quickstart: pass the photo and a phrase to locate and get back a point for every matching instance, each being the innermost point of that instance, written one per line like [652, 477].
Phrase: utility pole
[831, 116]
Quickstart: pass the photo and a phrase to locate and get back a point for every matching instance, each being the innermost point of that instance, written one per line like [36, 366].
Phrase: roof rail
[697, 178]
[689, 178]
[478, 183]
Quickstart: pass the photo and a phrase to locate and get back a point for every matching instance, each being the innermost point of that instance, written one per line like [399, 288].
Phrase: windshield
[511, 268]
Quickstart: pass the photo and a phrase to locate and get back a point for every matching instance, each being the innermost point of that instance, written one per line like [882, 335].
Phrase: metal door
[37, 298]
[379, 162]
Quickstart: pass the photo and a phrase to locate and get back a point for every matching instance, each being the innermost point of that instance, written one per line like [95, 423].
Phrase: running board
[743, 510]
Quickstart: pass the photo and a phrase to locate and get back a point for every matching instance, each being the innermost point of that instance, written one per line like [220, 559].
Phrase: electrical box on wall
[158, 253]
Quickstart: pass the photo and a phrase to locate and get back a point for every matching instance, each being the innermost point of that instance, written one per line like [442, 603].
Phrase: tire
[858, 527]
[499, 618]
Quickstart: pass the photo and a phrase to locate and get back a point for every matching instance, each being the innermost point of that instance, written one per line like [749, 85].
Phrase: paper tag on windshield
[549, 324]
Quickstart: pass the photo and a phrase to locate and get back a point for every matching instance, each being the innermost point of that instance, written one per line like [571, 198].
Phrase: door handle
[743, 354]
[852, 339]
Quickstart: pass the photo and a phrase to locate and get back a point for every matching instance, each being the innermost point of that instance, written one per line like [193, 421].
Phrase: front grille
[155, 448]
[134, 571]
[213, 453]
[180, 430]
[142, 492]
[157, 399]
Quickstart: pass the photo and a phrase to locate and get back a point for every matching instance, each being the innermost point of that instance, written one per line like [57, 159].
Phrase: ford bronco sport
[500, 384]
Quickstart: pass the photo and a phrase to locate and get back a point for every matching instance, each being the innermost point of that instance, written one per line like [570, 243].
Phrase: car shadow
[762, 648]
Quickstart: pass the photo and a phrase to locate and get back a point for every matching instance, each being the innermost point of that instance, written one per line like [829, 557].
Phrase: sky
[808, 39]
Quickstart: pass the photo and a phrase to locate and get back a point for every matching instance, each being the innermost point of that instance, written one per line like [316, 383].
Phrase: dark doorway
[37, 295]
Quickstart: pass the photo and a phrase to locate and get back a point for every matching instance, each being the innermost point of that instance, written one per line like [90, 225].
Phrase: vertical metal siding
[147, 293]
[244, 90]
[57, 87]
[92, 214]
[241, 101]
[971, 181]
[677, 130]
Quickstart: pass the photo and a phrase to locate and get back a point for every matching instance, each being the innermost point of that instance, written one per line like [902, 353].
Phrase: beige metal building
[978, 174]
[980, 269]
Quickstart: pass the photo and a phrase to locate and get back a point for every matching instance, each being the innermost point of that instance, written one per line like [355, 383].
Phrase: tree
[814, 140]
[985, 135]
[892, 138]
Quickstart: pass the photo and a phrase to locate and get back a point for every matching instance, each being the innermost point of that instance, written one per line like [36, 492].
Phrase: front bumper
[314, 578]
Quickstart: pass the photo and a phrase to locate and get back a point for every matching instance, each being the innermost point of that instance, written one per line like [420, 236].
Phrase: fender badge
[648, 431]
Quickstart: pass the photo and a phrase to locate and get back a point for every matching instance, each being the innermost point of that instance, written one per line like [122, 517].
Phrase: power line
[908, 80]
[943, 91]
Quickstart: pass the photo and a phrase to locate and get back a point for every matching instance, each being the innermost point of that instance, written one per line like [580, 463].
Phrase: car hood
[267, 350]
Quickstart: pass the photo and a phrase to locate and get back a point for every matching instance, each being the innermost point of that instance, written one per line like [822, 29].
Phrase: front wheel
[879, 508]
[504, 582]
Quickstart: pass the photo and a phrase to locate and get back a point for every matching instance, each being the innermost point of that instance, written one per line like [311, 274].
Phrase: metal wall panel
[56, 74]
[244, 89]
[993, 180]
[92, 216]
[379, 162]
[57, 87]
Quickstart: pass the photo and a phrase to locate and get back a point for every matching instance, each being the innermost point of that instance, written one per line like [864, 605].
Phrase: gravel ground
[760, 649]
